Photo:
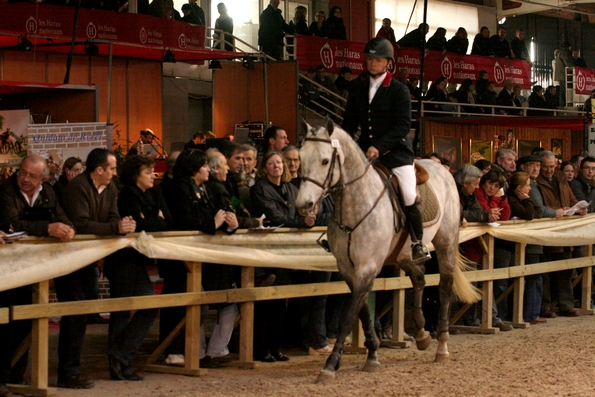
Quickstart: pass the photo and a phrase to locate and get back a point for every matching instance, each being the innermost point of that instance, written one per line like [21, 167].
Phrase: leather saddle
[391, 184]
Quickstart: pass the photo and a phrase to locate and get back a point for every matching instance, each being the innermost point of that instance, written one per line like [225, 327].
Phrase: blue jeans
[533, 291]
[76, 286]
[126, 334]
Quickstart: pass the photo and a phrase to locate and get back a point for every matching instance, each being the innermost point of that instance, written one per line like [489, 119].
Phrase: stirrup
[423, 254]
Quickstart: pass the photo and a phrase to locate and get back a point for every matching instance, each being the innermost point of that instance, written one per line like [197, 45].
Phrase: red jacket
[488, 202]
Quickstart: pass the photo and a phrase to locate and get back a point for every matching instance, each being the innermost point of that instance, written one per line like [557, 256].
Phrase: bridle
[327, 188]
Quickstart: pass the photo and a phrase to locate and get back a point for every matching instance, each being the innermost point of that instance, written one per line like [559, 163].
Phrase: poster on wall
[13, 140]
[449, 148]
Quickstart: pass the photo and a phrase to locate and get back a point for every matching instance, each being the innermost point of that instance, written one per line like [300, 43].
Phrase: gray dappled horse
[362, 236]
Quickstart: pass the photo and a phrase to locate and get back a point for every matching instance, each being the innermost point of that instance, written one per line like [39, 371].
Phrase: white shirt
[35, 195]
[374, 85]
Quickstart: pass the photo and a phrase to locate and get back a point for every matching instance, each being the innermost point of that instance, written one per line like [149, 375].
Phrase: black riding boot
[419, 252]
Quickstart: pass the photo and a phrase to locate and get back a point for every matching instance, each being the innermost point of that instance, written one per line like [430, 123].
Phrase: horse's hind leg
[372, 342]
[422, 337]
[446, 261]
[359, 295]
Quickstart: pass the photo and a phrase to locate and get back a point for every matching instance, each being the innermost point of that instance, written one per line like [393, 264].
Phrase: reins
[327, 188]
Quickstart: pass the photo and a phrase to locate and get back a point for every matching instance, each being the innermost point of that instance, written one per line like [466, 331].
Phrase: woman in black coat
[127, 269]
[192, 208]
[274, 196]
[334, 25]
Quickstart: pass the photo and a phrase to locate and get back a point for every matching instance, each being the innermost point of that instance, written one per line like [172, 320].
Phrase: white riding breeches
[407, 183]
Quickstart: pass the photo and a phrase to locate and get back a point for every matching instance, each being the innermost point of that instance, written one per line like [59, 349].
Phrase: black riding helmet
[379, 47]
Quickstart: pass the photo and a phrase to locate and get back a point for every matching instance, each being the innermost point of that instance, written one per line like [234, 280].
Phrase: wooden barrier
[41, 310]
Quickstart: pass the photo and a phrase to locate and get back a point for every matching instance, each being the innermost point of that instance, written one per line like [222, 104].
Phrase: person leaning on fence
[317, 28]
[225, 24]
[558, 196]
[90, 203]
[481, 43]
[492, 199]
[522, 207]
[192, 208]
[126, 269]
[274, 197]
[30, 205]
[505, 163]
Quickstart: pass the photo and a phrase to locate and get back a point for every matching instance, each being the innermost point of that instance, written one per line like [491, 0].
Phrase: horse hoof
[371, 366]
[325, 377]
[423, 342]
[442, 358]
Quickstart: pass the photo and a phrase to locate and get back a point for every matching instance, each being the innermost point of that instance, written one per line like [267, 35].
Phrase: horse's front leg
[372, 342]
[422, 337]
[359, 295]
[445, 288]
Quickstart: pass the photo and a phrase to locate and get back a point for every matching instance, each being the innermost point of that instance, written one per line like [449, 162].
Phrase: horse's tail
[462, 287]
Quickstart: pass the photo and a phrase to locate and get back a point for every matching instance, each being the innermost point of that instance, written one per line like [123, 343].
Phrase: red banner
[584, 81]
[334, 54]
[57, 21]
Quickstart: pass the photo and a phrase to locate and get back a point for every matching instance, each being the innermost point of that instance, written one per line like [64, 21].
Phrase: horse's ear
[303, 127]
[330, 125]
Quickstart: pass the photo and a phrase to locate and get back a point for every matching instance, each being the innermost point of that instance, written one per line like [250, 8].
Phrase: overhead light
[501, 21]
[169, 57]
[23, 44]
[215, 64]
[91, 48]
[248, 62]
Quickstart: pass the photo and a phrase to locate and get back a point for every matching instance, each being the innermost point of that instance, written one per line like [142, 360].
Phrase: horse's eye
[325, 162]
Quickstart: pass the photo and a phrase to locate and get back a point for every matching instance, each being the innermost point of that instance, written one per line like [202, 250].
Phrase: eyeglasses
[25, 175]
[592, 169]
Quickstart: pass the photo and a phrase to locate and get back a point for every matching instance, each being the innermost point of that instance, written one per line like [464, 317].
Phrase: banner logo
[182, 41]
[446, 68]
[91, 30]
[143, 35]
[326, 56]
[31, 25]
[580, 82]
[498, 73]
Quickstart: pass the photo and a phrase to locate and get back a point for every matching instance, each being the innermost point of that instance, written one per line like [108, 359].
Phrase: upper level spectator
[551, 98]
[518, 46]
[537, 100]
[272, 30]
[162, 9]
[414, 88]
[563, 60]
[489, 97]
[499, 45]
[459, 42]
[334, 25]
[415, 38]
[481, 43]
[465, 95]
[317, 27]
[516, 89]
[482, 82]
[556, 53]
[225, 23]
[404, 75]
[300, 21]
[198, 11]
[578, 61]
[438, 40]
[189, 15]
[387, 32]
[506, 97]
[275, 138]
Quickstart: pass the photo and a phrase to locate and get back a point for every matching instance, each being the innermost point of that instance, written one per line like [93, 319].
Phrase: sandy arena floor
[553, 359]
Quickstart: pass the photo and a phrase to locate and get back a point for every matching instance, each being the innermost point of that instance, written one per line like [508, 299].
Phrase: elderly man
[557, 196]
[90, 202]
[27, 204]
[250, 160]
[505, 163]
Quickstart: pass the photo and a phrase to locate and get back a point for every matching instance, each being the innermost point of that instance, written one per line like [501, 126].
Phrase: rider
[381, 107]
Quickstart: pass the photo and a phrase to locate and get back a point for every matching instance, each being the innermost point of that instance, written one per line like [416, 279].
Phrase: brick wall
[68, 140]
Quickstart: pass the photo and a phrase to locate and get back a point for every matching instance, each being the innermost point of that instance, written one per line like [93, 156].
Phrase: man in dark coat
[198, 11]
[499, 45]
[381, 106]
[90, 203]
[272, 30]
[414, 38]
[518, 46]
[30, 205]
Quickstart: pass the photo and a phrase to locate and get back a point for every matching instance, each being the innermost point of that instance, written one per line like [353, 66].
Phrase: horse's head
[320, 156]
